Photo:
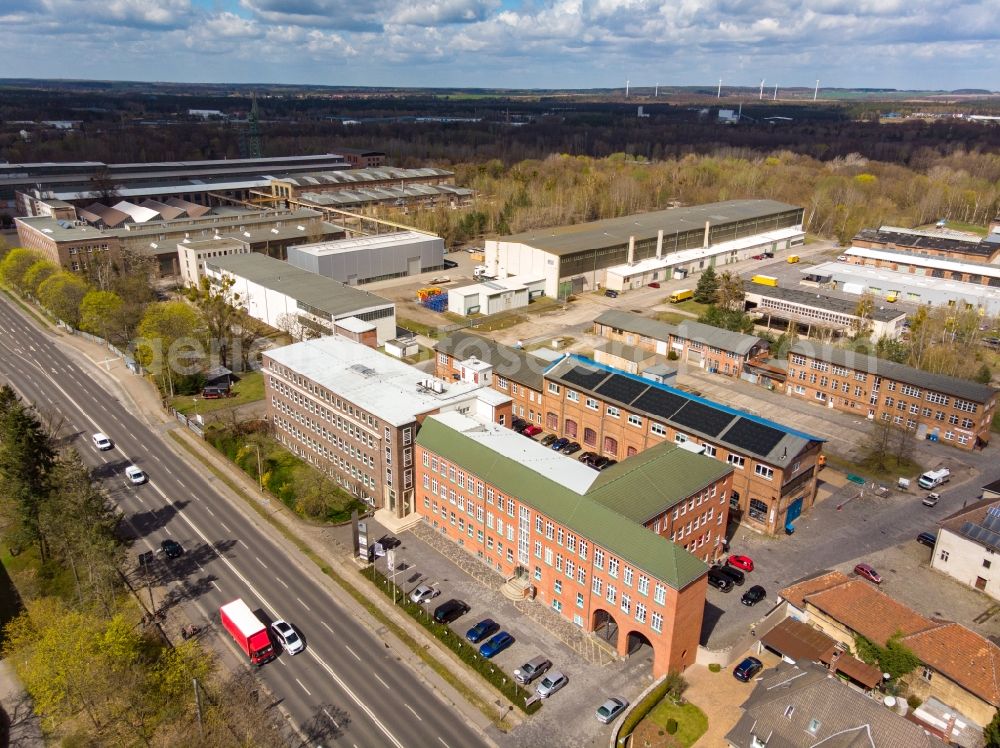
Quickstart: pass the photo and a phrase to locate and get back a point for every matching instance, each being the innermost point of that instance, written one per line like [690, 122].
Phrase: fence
[133, 366]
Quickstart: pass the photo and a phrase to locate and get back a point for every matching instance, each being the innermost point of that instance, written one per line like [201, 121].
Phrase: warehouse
[371, 258]
[917, 264]
[301, 303]
[494, 296]
[822, 314]
[573, 259]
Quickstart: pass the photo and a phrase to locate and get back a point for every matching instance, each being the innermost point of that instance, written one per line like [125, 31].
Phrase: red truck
[248, 632]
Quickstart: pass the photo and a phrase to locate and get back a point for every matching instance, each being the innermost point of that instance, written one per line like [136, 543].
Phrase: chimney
[706, 233]
[659, 244]
[631, 250]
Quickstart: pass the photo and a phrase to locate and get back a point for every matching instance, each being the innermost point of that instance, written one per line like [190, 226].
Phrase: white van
[135, 475]
[934, 478]
[102, 442]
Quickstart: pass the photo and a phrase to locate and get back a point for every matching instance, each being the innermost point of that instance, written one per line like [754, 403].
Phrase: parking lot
[569, 712]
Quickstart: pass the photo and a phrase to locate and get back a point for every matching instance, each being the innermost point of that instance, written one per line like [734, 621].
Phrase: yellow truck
[793, 258]
[764, 280]
[683, 295]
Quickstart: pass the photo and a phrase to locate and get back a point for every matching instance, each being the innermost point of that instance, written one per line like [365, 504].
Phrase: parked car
[559, 443]
[598, 462]
[841, 258]
[519, 424]
[171, 548]
[289, 640]
[533, 668]
[747, 669]
[927, 538]
[547, 440]
[135, 475]
[389, 542]
[753, 595]
[102, 442]
[608, 464]
[424, 593]
[571, 448]
[587, 458]
[496, 645]
[449, 264]
[654, 284]
[741, 562]
[486, 627]
[719, 580]
[532, 430]
[733, 573]
[550, 684]
[450, 611]
[931, 499]
[610, 293]
[869, 573]
[608, 711]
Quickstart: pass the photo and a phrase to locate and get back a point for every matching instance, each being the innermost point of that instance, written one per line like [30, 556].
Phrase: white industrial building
[821, 313]
[192, 255]
[371, 258]
[490, 297]
[295, 300]
[638, 249]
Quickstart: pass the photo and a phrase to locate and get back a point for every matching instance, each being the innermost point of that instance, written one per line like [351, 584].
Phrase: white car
[424, 593]
[290, 641]
[551, 683]
[102, 442]
[610, 710]
[135, 475]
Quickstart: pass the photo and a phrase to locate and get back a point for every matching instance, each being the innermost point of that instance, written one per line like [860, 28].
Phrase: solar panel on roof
[659, 402]
[704, 418]
[992, 519]
[622, 389]
[981, 535]
[752, 436]
[586, 378]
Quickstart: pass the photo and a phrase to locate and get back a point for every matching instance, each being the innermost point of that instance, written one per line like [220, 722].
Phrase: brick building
[940, 243]
[956, 411]
[704, 346]
[354, 413]
[544, 519]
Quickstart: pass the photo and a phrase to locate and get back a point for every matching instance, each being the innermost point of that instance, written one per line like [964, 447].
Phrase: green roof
[601, 514]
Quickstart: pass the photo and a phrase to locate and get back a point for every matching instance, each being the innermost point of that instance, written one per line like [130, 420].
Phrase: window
[613, 567]
[538, 573]
[709, 450]
[643, 585]
[764, 472]
[549, 530]
[814, 725]
[612, 594]
[626, 604]
[660, 594]
[658, 428]
[596, 586]
[634, 420]
[570, 429]
[502, 383]
[579, 599]
[557, 586]
[573, 396]
[640, 612]
[736, 461]
[583, 549]
[944, 556]
[557, 605]
[656, 622]
[611, 446]
[598, 558]
[789, 711]
[553, 388]
[548, 556]
[927, 674]
[986, 563]
[614, 412]
[627, 576]
[592, 403]
[589, 437]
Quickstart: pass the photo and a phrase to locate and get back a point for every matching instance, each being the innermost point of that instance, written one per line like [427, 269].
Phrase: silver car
[290, 641]
[423, 593]
[550, 684]
[610, 710]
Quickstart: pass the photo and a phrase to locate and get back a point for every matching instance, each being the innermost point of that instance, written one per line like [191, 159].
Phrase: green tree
[16, 264]
[991, 735]
[984, 375]
[101, 314]
[170, 341]
[895, 658]
[62, 294]
[863, 312]
[38, 274]
[708, 287]
[220, 309]
[731, 294]
[728, 319]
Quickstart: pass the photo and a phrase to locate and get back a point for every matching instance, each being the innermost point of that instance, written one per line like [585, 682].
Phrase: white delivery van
[934, 478]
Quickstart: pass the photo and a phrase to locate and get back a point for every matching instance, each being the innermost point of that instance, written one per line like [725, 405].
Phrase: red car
[741, 562]
[866, 571]
[654, 285]
[532, 431]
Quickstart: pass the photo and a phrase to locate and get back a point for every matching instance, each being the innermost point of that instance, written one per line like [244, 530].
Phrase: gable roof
[727, 340]
[474, 445]
[789, 699]
[514, 364]
[963, 655]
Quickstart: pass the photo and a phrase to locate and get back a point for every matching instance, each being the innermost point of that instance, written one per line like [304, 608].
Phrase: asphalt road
[347, 688]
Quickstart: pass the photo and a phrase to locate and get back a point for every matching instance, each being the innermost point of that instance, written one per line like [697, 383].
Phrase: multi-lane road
[347, 688]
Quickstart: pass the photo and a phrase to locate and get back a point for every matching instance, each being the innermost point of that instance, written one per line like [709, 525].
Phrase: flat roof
[339, 246]
[579, 237]
[928, 261]
[576, 496]
[726, 340]
[946, 242]
[822, 301]
[384, 386]
[954, 386]
[326, 294]
[894, 280]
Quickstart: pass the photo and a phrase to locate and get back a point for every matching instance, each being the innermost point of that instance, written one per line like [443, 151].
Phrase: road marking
[303, 604]
[303, 687]
[260, 562]
[218, 587]
[244, 545]
[282, 582]
[443, 743]
[209, 511]
[330, 718]
[157, 458]
[132, 435]
[381, 681]
[326, 627]
[224, 527]
[353, 653]
[412, 710]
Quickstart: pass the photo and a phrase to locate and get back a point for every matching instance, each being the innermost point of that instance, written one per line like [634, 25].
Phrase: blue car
[496, 645]
[559, 443]
[481, 630]
[747, 669]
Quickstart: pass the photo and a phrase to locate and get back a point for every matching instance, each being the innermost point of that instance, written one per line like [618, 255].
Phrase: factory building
[371, 258]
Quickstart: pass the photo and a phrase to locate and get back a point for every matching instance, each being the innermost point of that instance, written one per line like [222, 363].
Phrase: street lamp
[260, 474]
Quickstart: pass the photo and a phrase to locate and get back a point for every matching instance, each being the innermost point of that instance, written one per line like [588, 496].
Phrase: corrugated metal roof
[514, 364]
[717, 337]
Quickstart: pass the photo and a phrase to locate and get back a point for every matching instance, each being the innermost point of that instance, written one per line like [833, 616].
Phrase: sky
[906, 44]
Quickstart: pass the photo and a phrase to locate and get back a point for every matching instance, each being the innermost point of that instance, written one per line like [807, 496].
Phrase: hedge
[465, 651]
[641, 709]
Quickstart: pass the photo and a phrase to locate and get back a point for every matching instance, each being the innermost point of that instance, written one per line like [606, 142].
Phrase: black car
[927, 538]
[607, 464]
[611, 293]
[733, 573]
[449, 611]
[448, 264]
[571, 448]
[171, 548]
[588, 458]
[598, 462]
[753, 596]
[719, 580]
[389, 542]
[519, 424]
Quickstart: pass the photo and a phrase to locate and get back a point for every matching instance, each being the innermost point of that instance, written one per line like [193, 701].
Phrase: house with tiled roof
[958, 666]
[968, 546]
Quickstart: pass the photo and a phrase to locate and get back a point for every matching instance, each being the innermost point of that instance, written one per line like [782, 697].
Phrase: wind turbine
[718, 95]
[816, 91]
[761, 89]
[626, 88]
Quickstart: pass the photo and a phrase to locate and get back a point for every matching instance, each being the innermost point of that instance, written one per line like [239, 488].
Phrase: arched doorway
[605, 627]
[637, 641]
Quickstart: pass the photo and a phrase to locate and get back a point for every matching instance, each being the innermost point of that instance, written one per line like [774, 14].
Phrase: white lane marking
[282, 582]
[244, 545]
[260, 562]
[329, 717]
[303, 604]
[303, 687]
[353, 653]
[209, 511]
[381, 681]
[249, 586]
[224, 527]
[326, 627]
[157, 458]
[443, 743]
[132, 435]
[413, 711]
